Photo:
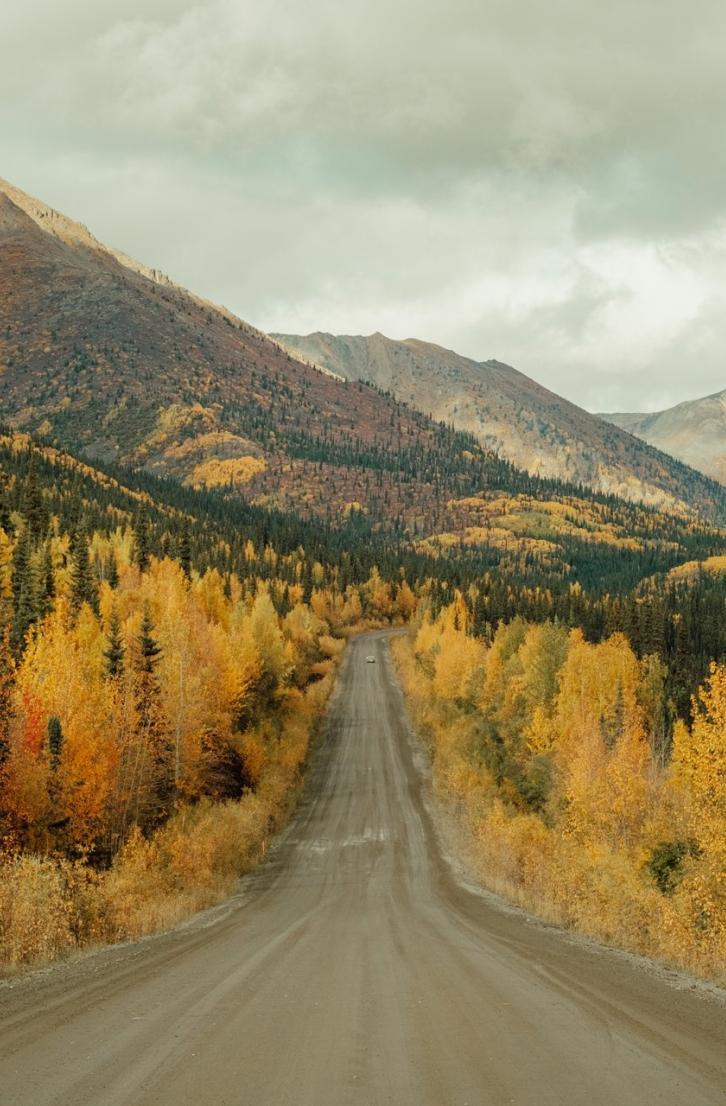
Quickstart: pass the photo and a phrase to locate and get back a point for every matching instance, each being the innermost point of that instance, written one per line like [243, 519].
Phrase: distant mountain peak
[521, 420]
[693, 431]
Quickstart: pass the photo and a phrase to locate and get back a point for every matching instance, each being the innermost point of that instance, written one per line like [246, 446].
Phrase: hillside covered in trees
[593, 562]
[166, 654]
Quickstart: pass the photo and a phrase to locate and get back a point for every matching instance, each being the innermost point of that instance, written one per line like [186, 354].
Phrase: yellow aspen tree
[699, 773]
[352, 612]
[210, 590]
[601, 753]
[505, 646]
[699, 757]
[458, 665]
[322, 607]
[426, 640]
[61, 672]
[6, 563]
[405, 602]
[265, 633]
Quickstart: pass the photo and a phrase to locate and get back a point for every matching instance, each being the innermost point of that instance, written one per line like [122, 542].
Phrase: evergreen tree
[152, 726]
[5, 523]
[7, 668]
[45, 585]
[185, 554]
[25, 605]
[32, 505]
[112, 569]
[55, 741]
[114, 651]
[83, 581]
[141, 543]
[149, 648]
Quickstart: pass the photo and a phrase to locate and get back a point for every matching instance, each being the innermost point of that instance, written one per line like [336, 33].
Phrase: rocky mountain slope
[507, 411]
[104, 356]
[694, 431]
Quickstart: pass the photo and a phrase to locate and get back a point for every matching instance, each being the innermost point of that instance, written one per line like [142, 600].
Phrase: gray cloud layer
[543, 183]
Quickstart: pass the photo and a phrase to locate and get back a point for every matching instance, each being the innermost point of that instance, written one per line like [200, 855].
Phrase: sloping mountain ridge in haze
[693, 431]
[102, 355]
[507, 411]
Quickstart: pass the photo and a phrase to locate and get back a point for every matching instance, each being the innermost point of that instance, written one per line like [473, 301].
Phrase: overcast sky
[544, 183]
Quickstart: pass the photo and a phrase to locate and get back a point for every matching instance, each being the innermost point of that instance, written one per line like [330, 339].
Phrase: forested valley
[166, 654]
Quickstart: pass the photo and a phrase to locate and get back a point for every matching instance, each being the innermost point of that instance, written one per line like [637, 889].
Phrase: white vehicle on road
[370, 660]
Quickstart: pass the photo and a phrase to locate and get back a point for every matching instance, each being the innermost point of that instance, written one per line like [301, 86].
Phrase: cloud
[541, 183]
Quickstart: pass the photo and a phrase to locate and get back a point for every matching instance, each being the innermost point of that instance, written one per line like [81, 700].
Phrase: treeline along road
[355, 966]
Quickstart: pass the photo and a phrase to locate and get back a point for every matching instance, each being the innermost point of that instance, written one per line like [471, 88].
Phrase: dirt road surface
[356, 967]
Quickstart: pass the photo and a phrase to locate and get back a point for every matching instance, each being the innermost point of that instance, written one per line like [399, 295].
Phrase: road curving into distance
[356, 967]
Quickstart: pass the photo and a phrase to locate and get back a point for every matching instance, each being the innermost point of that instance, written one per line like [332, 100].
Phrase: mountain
[508, 412]
[694, 431]
[107, 358]
[102, 355]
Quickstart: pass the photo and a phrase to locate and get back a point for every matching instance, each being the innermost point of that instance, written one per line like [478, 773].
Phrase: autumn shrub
[47, 908]
[188, 865]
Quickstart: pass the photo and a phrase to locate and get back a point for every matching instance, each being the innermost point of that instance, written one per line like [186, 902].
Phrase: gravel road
[355, 966]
